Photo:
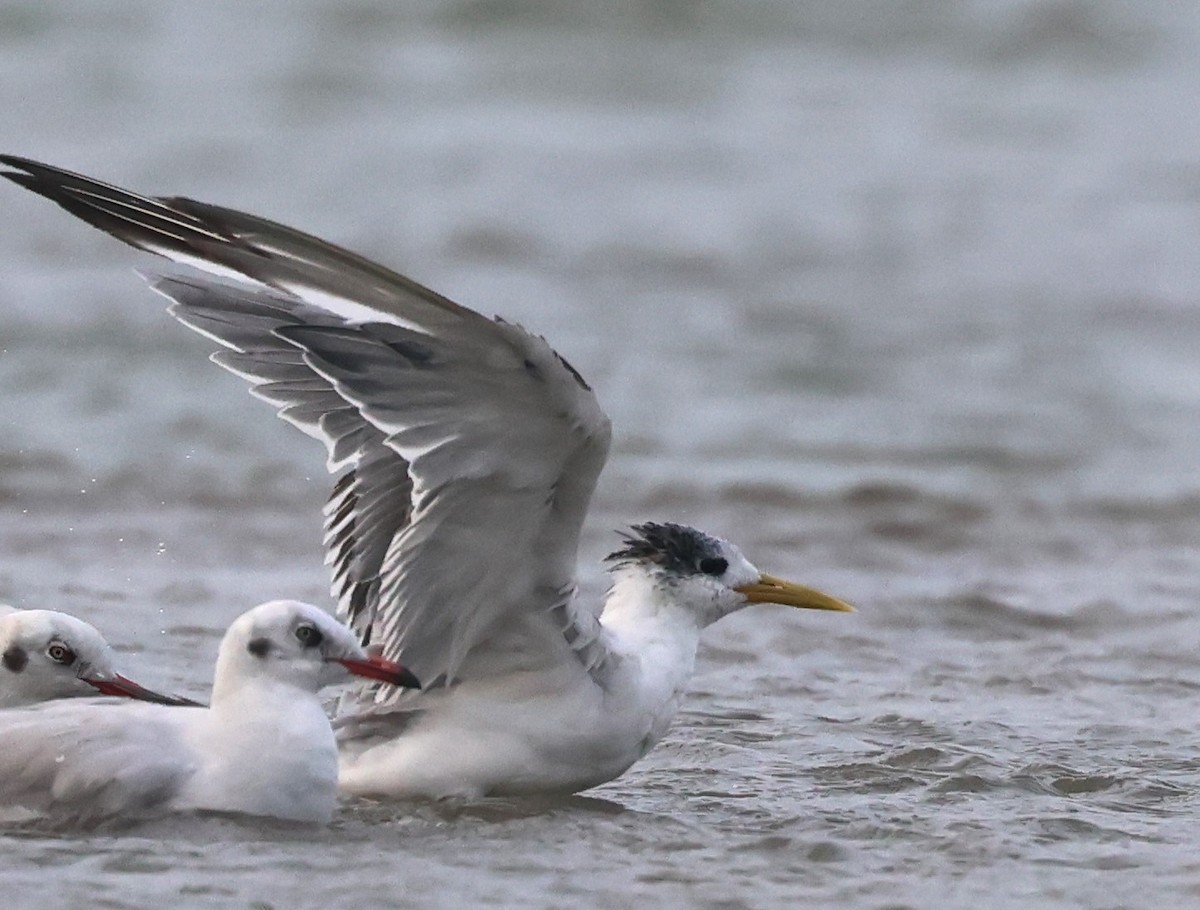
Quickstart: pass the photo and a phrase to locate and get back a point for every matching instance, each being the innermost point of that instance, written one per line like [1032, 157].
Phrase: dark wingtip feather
[24, 167]
[21, 179]
[33, 176]
[43, 179]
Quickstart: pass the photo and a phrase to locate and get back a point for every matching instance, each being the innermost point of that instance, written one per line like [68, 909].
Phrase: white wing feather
[84, 761]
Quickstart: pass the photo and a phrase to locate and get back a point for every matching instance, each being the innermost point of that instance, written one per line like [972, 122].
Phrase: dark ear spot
[259, 647]
[15, 659]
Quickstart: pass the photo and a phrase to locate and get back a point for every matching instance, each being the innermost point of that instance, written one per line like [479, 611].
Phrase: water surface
[902, 298]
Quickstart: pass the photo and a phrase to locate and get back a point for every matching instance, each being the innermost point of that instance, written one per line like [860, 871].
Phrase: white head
[286, 642]
[706, 575]
[45, 655]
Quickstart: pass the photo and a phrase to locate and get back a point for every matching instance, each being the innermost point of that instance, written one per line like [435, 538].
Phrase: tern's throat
[647, 621]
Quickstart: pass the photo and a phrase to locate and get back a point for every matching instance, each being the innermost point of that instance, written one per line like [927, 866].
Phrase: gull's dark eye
[60, 653]
[309, 636]
[713, 565]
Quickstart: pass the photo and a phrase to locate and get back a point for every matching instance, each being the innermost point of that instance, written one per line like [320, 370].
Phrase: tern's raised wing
[499, 438]
[227, 241]
[86, 761]
[371, 501]
[474, 453]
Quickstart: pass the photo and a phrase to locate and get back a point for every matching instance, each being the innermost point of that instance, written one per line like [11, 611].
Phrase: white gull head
[46, 655]
[290, 644]
[264, 747]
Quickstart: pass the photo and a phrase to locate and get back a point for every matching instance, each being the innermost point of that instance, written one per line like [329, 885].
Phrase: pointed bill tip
[375, 667]
[123, 687]
[769, 589]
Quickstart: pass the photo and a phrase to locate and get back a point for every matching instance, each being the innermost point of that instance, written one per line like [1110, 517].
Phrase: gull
[45, 654]
[467, 451]
[265, 746]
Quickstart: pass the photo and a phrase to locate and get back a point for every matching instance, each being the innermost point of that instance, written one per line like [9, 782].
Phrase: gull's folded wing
[84, 762]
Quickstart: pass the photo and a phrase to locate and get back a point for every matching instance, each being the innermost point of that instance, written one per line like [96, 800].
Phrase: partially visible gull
[45, 654]
[468, 450]
[264, 747]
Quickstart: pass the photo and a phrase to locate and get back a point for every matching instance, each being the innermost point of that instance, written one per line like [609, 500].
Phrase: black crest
[677, 548]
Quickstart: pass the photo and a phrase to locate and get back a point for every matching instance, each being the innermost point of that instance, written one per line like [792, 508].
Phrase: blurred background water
[900, 296]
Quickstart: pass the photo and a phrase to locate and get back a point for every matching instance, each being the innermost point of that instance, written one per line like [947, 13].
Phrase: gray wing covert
[508, 461]
[504, 444]
[370, 502]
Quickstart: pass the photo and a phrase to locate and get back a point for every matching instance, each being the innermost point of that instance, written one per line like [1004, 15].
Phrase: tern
[265, 746]
[467, 451]
[45, 654]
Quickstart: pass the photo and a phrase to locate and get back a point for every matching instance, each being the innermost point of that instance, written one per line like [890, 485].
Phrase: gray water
[902, 297]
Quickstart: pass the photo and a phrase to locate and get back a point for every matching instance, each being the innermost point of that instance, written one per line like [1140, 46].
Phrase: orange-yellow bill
[771, 590]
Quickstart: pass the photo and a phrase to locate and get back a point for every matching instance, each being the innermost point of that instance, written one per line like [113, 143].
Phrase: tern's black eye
[713, 565]
[60, 653]
[309, 636]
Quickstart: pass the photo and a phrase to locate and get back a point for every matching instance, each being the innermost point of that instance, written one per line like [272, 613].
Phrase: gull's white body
[469, 451]
[261, 750]
[264, 747]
